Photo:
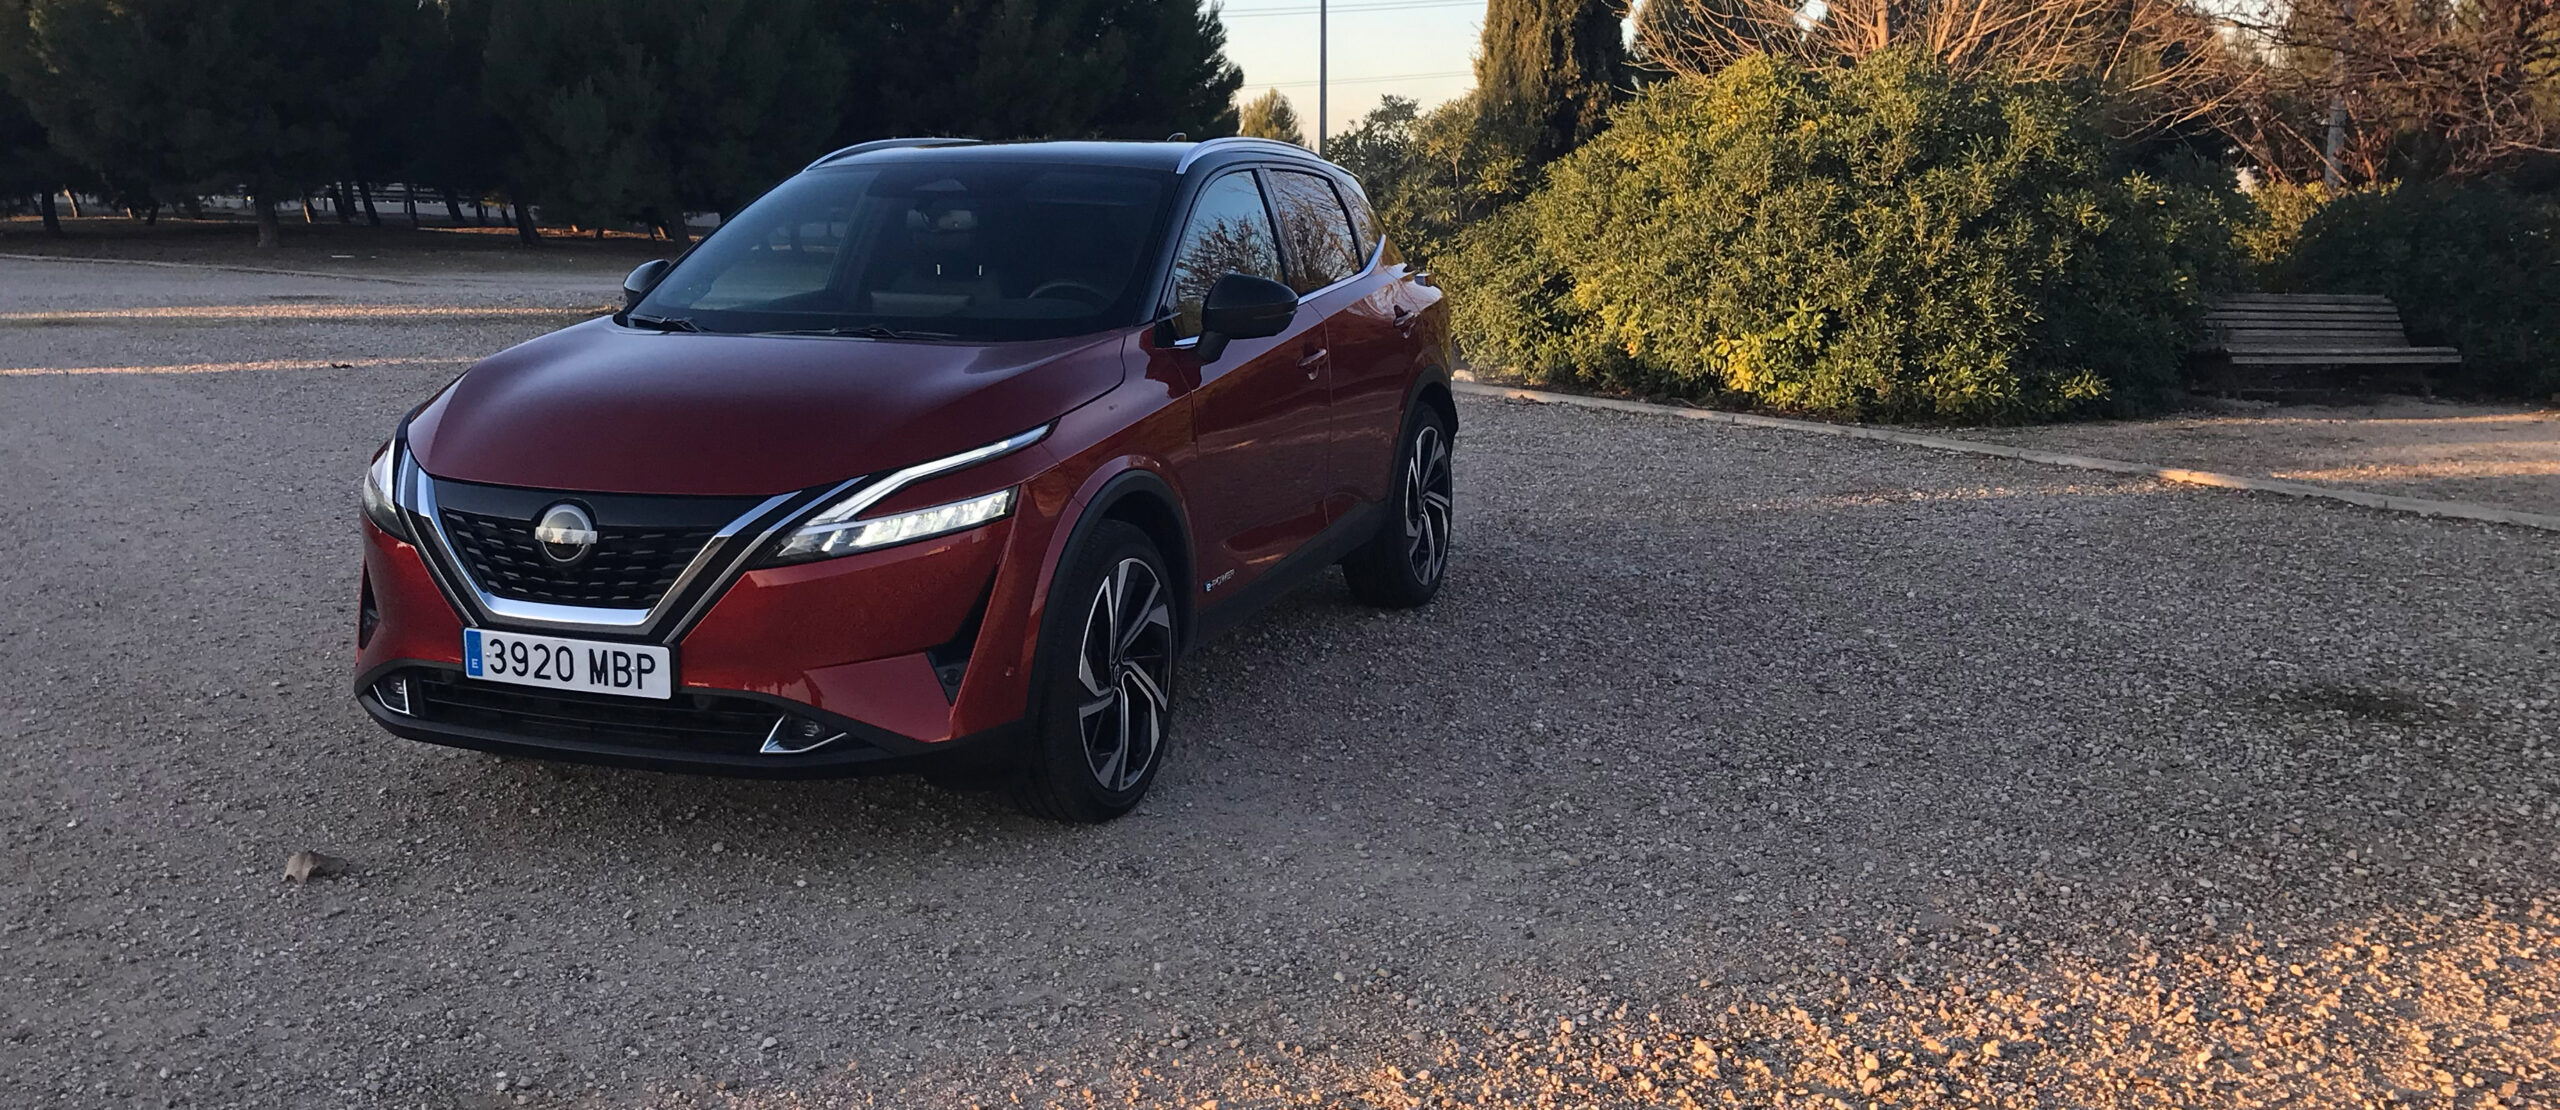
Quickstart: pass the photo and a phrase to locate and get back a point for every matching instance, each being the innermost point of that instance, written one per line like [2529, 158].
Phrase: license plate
[588, 666]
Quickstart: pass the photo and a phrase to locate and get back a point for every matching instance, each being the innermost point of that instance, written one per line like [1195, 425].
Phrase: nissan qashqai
[938, 456]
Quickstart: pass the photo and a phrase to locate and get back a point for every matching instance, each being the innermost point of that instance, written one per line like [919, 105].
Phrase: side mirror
[1242, 306]
[644, 278]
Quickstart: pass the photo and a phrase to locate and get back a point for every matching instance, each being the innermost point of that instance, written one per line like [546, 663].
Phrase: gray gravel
[1731, 764]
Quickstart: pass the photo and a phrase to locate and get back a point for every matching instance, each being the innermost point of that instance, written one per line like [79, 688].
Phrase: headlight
[822, 538]
[378, 480]
[836, 529]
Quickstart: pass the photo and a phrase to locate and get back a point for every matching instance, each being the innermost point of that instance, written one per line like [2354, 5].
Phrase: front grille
[630, 568]
[697, 723]
[643, 542]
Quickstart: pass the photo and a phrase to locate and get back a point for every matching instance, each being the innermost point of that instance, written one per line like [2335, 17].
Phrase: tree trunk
[307, 217]
[526, 233]
[52, 220]
[452, 207]
[75, 203]
[364, 189]
[151, 214]
[270, 230]
[409, 198]
[344, 203]
[480, 212]
[677, 233]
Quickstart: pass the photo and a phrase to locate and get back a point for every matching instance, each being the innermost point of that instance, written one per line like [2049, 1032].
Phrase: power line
[1360, 80]
[1402, 6]
[1286, 6]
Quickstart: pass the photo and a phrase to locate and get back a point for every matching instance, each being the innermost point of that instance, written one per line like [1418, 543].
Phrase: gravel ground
[2506, 455]
[1732, 766]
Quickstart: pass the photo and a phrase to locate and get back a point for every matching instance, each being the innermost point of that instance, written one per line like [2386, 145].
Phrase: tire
[1403, 565]
[1102, 697]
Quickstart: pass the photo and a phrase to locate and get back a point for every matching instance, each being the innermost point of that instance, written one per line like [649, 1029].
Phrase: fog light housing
[393, 693]
[794, 734]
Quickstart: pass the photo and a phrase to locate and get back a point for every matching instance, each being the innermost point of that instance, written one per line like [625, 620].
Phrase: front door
[1329, 255]
[1256, 485]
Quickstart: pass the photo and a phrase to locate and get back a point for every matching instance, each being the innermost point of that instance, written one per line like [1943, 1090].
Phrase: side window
[1230, 232]
[1312, 223]
[1364, 222]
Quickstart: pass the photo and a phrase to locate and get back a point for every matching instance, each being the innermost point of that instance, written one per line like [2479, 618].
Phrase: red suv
[937, 457]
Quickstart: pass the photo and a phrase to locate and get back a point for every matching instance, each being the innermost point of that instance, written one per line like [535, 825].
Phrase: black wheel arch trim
[1422, 384]
[1184, 562]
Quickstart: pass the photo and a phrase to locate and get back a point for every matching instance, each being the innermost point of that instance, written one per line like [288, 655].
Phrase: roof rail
[885, 144]
[1212, 146]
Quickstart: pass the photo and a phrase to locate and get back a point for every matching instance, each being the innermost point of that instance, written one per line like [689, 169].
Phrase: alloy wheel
[1427, 489]
[1126, 666]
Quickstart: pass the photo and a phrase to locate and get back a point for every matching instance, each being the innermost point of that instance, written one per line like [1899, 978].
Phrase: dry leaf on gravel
[306, 865]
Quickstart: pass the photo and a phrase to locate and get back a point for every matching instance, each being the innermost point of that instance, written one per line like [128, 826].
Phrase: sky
[1424, 49]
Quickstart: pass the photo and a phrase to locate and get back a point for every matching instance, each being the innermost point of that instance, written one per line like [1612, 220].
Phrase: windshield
[960, 250]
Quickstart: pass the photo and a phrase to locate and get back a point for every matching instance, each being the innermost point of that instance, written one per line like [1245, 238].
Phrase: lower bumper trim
[725, 734]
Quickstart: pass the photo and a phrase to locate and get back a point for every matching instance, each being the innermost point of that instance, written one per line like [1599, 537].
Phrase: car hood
[609, 409]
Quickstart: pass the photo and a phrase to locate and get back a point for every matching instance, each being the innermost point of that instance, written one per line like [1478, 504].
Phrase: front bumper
[697, 732]
[881, 646]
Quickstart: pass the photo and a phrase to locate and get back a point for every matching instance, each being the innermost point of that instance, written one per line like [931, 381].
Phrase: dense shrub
[1514, 306]
[2470, 266]
[1883, 241]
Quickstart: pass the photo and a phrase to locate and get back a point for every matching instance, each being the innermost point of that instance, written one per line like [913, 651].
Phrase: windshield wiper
[868, 331]
[661, 323]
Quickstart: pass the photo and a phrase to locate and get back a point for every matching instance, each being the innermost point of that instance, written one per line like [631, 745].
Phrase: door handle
[1313, 362]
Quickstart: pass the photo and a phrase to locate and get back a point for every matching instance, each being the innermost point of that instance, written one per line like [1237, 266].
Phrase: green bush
[2470, 266]
[2268, 230]
[1884, 241]
[1513, 306]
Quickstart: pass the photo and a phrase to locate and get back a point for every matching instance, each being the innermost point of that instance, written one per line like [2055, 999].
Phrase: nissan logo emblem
[565, 533]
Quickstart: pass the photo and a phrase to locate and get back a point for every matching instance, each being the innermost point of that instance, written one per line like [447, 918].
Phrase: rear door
[1255, 486]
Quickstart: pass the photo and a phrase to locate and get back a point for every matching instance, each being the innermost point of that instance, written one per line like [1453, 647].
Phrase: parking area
[1732, 764]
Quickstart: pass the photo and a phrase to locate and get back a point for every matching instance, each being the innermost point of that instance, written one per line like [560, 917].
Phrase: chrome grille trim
[485, 608]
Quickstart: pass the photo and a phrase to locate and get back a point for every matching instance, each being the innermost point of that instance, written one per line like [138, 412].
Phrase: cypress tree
[1550, 70]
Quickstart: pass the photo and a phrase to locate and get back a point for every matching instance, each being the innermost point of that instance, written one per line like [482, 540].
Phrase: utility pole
[2334, 144]
[1320, 76]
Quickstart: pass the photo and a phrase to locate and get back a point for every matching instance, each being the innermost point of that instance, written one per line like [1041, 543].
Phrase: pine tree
[1270, 116]
[201, 94]
[1038, 69]
[28, 163]
[1551, 70]
[648, 109]
[454, 140]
